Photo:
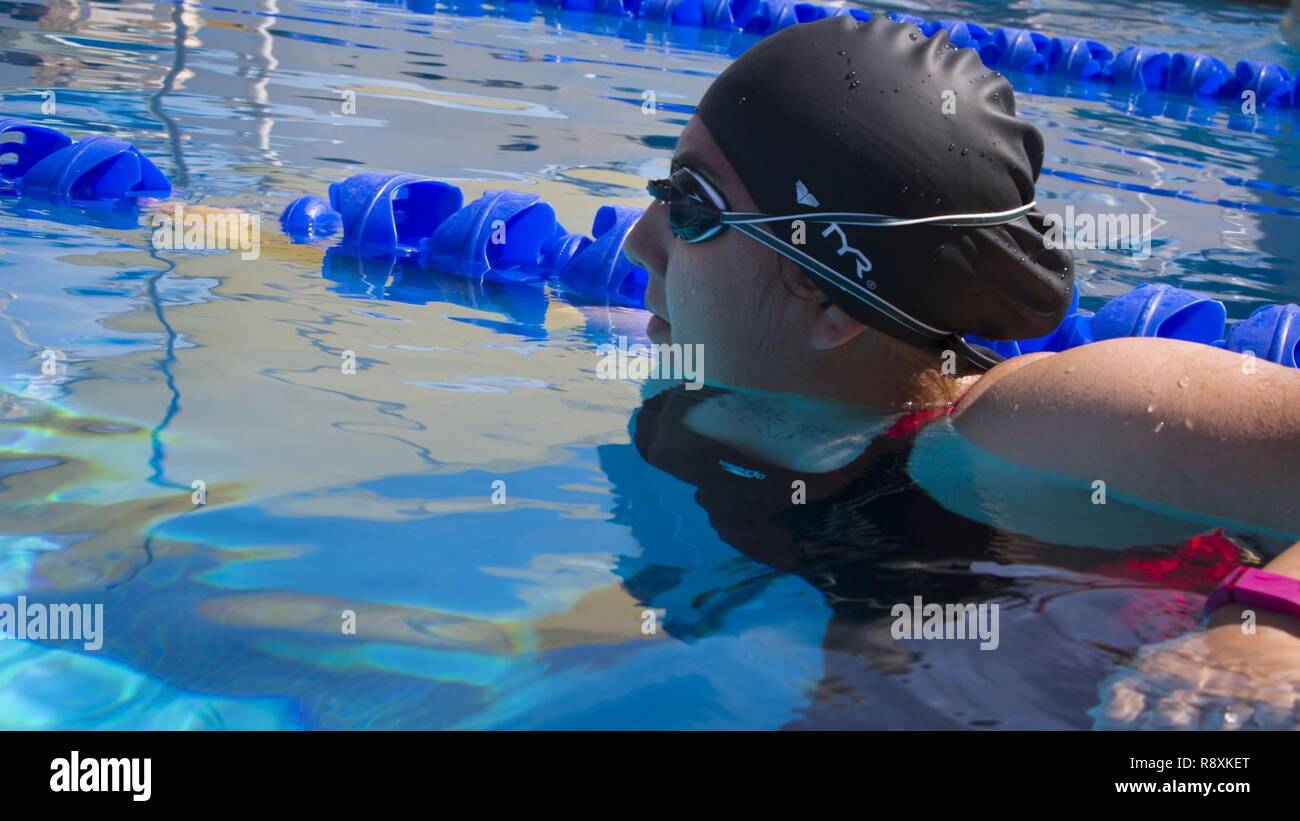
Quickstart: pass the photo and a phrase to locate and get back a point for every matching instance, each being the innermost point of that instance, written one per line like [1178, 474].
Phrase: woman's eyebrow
[694, 162]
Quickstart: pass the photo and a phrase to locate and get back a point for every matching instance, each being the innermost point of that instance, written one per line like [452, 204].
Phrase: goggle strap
[844, 283]
[882, 220]
[716, 198]
[980, 357]
[865, 295]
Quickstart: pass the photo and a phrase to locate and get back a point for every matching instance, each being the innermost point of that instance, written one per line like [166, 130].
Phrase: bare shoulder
[994, 376]
[1133, 377]
[1174, 422]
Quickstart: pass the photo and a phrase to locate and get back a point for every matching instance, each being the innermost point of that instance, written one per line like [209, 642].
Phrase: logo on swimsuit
[1127, 233]
[639, 362]
[951, 621]
[744, 473]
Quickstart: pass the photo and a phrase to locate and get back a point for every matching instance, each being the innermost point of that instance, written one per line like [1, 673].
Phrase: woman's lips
[658, 329]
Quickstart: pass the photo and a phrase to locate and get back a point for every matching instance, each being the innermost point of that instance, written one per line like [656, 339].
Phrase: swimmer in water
[847, 202]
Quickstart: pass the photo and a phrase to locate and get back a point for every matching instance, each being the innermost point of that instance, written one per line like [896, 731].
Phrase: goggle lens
[693, 216]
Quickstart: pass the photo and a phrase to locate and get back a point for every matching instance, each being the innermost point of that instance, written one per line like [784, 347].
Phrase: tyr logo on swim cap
[804, 196]
[844, 116]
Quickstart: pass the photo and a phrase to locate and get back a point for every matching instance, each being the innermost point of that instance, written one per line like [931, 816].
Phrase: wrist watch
[1253, 587]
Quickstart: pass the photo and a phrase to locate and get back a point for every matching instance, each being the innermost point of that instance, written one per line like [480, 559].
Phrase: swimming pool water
[373, 492]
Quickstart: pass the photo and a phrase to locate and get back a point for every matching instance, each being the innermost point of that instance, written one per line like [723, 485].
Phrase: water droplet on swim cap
[858, 160]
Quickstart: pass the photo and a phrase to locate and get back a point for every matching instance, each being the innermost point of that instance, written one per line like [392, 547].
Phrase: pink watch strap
[1257, 588]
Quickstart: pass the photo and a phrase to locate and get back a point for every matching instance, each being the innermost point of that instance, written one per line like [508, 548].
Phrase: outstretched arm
[1169, 422]
[1238, 672]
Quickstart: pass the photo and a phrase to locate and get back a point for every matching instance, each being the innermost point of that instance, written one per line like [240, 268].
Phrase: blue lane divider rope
[1271, 333]
[1069, 59]
[512, 236]
[501, 236]
[1138, 68]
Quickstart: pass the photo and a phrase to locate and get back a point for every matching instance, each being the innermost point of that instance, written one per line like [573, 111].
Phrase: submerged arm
[1242, 671]
[1171, 423]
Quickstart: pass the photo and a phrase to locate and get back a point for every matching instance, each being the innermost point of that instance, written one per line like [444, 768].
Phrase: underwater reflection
[406, 281]
[867, 539]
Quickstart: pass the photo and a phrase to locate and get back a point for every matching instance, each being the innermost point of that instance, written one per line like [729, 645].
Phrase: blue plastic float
[504, 233]
[1078, 59]
[93, 171]
[501, 236]
[1198, 74]
[599, 270]
[389, 214]
[1163, 311]
[1272, 84]
[34, 144]
[1271, 332]
[1016, 50]
[310, 218]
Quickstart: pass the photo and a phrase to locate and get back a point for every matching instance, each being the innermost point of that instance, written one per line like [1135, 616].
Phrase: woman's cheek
[687, 314]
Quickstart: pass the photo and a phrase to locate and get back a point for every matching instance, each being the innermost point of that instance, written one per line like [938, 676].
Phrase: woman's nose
[646, 245]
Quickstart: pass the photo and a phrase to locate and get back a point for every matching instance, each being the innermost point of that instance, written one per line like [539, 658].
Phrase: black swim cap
[844, 116]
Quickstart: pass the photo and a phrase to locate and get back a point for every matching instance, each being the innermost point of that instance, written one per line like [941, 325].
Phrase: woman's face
[725, 293]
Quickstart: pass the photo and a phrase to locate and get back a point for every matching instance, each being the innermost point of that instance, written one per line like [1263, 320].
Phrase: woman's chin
[659, 330]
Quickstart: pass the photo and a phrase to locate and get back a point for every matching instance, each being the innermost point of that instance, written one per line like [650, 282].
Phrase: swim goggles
[698, 212]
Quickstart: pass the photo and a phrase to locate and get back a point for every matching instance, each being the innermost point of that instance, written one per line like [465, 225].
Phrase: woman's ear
[832, 327]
